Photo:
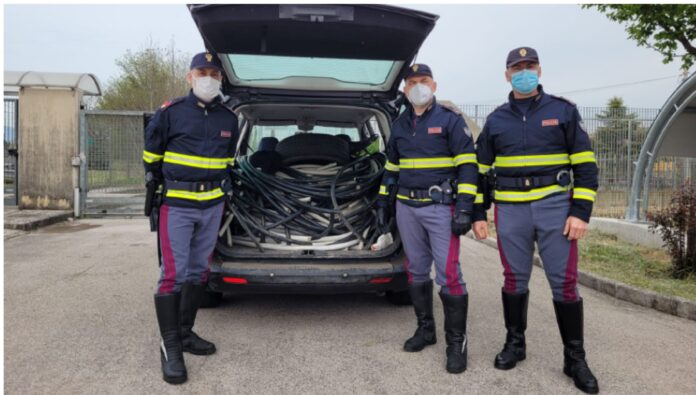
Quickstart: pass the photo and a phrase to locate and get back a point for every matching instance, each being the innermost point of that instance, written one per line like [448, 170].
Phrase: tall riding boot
[515, 313]
[191, 295]
[422, 297]
[456, 307]
[570, 323]
[172, 356]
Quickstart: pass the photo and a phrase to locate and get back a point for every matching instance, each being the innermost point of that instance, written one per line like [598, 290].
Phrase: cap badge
[523, 52]
[415, 67]
[209, 57]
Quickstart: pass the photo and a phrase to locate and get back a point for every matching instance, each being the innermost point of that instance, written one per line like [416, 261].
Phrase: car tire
[313, 148]
[399, 298]
[211, 299]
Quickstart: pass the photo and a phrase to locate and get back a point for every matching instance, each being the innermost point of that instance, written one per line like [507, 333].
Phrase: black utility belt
[525, 183]
[443, 193]
[193, 186]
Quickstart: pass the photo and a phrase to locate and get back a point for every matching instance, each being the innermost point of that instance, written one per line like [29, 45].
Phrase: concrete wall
[627, 231]
[49, 125]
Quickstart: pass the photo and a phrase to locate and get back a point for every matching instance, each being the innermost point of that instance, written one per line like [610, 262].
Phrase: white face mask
[205, 88]
[420, 95]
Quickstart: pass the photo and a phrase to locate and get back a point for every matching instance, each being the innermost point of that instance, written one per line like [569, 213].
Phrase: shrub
[677, 227]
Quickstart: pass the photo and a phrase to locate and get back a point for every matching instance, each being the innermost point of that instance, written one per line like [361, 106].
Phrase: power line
[602, 87]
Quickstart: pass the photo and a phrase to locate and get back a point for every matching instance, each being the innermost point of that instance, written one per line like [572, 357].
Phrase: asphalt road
[79, 318]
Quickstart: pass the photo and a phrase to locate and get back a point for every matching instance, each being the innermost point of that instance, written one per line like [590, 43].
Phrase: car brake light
[380, 280]
[234, 280]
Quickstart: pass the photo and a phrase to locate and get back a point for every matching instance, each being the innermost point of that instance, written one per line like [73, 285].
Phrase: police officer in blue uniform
[189, 146]
[432, 170]
[536, 158]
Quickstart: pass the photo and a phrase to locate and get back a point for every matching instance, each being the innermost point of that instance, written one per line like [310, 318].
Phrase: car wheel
[399, 298]
[211, 299]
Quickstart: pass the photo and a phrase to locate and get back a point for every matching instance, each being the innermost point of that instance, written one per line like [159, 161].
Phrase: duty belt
[414, 193]
[193, 186]
[525, 183]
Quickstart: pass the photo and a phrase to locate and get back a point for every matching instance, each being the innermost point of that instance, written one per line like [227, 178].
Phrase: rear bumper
[307, 277]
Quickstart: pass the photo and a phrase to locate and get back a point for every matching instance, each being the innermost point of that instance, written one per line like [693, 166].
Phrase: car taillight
[234, 280]
[380, 280]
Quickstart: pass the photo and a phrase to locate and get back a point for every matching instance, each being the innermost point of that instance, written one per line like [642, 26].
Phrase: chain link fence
[114, 150]
[617, 136]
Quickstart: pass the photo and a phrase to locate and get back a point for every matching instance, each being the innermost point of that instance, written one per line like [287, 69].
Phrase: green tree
[663, 27]
[148, 78]
[618, 141]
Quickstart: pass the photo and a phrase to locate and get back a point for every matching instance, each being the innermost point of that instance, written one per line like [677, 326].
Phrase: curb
[33, 225]
[673, 305]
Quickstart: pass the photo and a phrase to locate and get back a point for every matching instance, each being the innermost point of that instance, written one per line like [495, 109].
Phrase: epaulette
[561, 98]
[169, 103]
[449, 106]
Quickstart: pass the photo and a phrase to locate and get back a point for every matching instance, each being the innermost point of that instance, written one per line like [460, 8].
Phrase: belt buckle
[412, 194]
[528, 182]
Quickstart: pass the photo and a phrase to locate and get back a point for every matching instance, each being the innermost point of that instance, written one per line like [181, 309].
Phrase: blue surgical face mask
[525, 81]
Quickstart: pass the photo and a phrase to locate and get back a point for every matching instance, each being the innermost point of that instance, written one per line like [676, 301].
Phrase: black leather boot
[172, 356]
[456, 307]
[570, 323]
[191, 295]
[515, 313]
[422, 297]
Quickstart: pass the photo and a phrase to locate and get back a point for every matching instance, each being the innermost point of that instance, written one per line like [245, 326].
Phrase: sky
[580, 50]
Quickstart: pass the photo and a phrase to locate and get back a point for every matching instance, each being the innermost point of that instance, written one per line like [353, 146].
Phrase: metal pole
[83, 162]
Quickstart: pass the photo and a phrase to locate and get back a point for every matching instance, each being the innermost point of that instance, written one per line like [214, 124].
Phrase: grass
[647, 268]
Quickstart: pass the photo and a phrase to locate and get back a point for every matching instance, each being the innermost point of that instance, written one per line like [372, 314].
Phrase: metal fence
[115, 175]
[11, 121]
[617, 136]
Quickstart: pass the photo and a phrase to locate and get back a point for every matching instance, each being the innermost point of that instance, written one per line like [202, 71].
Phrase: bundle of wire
[305, 207]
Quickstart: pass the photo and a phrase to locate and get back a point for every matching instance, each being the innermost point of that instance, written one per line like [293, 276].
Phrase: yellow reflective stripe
[464, 158]
[532, 160]
[199, 196]
[415, 200]
[425, 163]
[584, 193]
[466, 188]
[525, 196]
[230, 161]
[583, 157]
[483, 169]
[383, 190]
[479, 198]
[391, 167]
[151, 157]
[195, 161]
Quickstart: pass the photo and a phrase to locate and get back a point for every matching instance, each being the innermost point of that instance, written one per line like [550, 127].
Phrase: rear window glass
[267, 67]
[284, 131]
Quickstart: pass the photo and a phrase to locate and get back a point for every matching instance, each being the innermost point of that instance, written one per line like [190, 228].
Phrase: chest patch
[549, 122]
[225, 134]
[435, 130]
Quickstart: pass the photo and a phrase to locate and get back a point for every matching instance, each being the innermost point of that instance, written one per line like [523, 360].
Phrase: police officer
[431, 165]
[544, 188]
[189, 145]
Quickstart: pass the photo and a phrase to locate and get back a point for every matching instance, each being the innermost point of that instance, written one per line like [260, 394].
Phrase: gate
[10, 144]
[112, 142]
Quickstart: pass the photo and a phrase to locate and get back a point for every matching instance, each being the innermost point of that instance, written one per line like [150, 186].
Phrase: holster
[153, 200]
[487, 183]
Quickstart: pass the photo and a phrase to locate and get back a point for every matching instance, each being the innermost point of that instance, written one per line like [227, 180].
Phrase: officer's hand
[461, 223]
[481, 230]
[575, 228]
[383, 218]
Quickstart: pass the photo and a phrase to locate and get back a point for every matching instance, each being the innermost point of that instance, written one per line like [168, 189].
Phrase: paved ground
[79, 319]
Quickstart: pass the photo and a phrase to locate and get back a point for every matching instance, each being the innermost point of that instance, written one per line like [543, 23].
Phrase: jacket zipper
[205, 139]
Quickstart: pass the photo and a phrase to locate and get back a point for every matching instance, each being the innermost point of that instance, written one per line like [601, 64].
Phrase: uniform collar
[198, 103]
[539, 99]
[431, 107]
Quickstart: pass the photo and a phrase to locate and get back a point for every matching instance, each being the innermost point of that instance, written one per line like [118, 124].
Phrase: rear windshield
[284, 131]
[352, 71]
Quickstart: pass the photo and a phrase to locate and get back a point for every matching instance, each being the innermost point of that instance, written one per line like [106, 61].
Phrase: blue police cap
[521, 54]
[205, 60]
[418, 69]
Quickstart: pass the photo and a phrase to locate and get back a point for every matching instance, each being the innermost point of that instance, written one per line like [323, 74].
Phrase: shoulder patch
[169, 103]
[563, 99]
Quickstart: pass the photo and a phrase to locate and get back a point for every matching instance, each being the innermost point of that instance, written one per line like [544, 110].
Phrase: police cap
[418, 69]
[521, 54]
[205, 60]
